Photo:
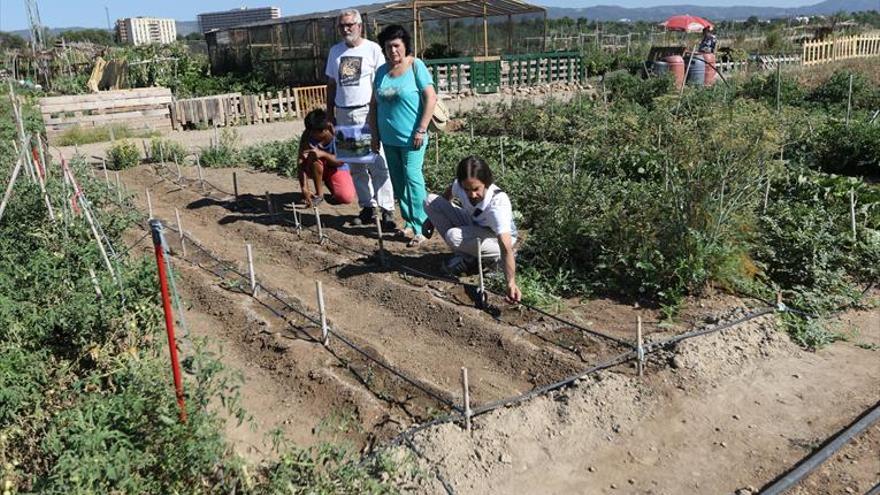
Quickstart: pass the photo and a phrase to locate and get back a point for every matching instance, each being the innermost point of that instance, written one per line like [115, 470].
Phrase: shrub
[122, 155]
[167, 150]
[835, 91]
[222, 154]
[852, 149]
[763, 87]
[624, 86]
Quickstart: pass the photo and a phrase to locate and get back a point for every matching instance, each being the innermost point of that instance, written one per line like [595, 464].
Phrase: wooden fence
[818, 52]
[142, 108]
[237, 109]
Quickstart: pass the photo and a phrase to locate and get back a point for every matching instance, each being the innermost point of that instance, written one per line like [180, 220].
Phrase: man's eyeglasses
[349, 25]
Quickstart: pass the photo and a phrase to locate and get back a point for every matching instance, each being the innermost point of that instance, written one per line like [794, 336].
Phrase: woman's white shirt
[494, 211]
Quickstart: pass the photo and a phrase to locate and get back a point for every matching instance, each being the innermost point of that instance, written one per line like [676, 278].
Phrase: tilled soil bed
[714, 414]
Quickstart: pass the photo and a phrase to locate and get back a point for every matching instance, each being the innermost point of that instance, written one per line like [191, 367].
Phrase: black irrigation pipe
[875, 490]
[615, 361]
[457, 282]
[335, 333]
[807, 465]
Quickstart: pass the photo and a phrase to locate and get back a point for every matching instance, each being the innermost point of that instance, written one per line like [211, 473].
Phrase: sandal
[416, 240]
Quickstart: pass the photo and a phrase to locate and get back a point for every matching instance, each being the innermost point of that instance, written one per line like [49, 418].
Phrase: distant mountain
[659, 13]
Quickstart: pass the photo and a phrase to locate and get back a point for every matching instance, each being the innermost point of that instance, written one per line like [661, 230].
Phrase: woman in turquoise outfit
[401, 109]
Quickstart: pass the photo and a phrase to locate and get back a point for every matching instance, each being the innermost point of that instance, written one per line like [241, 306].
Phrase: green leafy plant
[124, 154]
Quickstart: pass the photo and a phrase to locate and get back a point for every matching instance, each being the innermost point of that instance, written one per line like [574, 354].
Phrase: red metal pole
[159, 245]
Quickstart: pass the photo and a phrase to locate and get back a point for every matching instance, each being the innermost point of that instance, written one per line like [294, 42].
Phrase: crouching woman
[473, 215]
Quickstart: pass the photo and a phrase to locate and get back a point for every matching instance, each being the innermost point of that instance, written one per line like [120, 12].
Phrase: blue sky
[90, 13]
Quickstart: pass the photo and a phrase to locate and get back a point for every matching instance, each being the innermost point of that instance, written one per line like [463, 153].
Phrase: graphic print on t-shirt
[350, 71]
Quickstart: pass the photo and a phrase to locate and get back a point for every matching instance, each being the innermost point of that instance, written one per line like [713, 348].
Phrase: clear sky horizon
[90, 13]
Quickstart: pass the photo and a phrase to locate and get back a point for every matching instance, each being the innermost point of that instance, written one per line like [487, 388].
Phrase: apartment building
[146, 30]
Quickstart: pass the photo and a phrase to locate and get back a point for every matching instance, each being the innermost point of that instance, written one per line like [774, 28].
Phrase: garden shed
[292, 50]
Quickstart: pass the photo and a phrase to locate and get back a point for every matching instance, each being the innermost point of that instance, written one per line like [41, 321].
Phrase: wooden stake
[467, 399]
[766, 195]
[251, 274]
[574, 155]
[320, 227]
[235, 185]
[852, 212]
[86, 211]
[149, 204]
[42, 156]
[179, 173]
[325, 332]
[12, 180]
[106, 176]
[118, 188]
[270, 209]
[180, 231]
[501, 142]
[640, 349]
[201, 176]
[296, 219]
[146, 153]
[381, 241]
[482, 290]
[95, 283]
[849, 100]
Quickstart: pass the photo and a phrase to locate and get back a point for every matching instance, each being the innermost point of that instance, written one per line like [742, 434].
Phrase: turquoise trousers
[408, 181]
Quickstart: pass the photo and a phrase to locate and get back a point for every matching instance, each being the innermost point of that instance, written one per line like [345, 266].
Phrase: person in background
[707, 44]
[351, 67]
[484, 214]
[401, 109]
[317, 161]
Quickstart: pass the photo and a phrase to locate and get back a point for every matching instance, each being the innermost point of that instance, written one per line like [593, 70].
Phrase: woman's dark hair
[474, 167]
[396, 32]
[317, 120]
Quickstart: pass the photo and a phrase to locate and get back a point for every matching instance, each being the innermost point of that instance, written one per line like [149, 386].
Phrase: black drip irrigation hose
[875, 490]
[620, 359]
[415, 271]
[459, 414]
[342, 338]
[807, 465]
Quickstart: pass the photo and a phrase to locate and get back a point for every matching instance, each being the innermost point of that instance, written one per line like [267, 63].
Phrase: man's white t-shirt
[353, 69]
[494, 211]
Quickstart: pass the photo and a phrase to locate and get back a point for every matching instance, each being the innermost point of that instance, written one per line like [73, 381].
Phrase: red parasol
[686, 23]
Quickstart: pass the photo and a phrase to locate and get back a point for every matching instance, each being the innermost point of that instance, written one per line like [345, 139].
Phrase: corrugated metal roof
[429, 10]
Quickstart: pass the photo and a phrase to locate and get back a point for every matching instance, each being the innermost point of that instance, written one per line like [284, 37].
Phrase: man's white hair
[352, 13]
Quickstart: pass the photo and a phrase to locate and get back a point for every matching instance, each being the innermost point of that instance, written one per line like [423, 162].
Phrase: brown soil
[719, 413]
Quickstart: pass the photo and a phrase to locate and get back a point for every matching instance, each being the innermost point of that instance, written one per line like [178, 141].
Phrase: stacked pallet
[142, 108]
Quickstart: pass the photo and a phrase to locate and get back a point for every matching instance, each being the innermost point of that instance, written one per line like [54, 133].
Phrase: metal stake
[235, 185]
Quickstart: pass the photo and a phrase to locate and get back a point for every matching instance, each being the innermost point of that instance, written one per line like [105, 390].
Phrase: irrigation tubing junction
[462, 414]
